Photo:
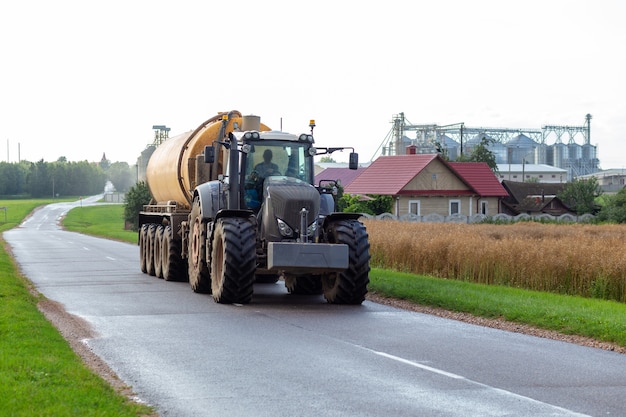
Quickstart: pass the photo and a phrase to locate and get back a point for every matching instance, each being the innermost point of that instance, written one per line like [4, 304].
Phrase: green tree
[138, 196]
[481, 153]
[373, 204]
[327, 159]
[13, 178]
[442, 151]
[581, 195]
[121, 176]
[39, 184]
[614, 209]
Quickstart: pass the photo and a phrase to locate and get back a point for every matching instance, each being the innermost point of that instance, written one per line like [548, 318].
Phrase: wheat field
[575, 259]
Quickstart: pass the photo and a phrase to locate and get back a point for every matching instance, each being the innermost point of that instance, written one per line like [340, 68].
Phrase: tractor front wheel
[199, 277]
[349, 286]
[233, 260]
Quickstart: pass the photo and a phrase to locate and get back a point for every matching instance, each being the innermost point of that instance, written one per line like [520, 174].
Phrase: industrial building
[552, 145]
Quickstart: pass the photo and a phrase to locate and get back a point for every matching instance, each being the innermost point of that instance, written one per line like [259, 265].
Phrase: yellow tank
[171, 171]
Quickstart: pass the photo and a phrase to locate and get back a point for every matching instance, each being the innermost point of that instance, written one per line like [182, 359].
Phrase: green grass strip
[599, 319]
[101, 220]
[40, 375]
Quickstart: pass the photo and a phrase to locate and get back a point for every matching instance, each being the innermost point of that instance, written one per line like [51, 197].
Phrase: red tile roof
[345, 175]
[480, 177]
[388, 175]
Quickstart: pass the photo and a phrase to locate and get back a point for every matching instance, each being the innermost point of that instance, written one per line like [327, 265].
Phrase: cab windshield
[273, 158]
[278, 158]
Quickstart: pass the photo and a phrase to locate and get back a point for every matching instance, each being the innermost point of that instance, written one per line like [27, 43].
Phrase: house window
[483, 208]
[455, 207]
[540, 176]
[414, 207]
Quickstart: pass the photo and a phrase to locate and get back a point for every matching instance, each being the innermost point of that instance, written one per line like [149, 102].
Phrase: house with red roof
[345, 176]
[426, 183]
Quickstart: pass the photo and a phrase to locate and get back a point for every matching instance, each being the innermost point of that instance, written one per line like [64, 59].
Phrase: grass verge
[598, 319]
[105, 220]
[40, 375]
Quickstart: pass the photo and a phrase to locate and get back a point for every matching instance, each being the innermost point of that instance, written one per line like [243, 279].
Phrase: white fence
[115, 197]
[477, 218]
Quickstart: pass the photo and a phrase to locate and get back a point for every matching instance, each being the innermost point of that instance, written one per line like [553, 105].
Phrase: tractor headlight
[284, 228]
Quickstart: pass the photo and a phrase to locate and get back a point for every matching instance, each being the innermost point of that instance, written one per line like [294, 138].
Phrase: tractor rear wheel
[158, 244]
[150, 249]
[199, 277]
[173, 265]
[349, 286]
[233, 260]
[143, 247]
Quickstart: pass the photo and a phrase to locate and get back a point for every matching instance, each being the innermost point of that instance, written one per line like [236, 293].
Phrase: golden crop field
[576, 259]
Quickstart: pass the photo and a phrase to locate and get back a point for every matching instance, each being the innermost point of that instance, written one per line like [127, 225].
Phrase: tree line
[62, 178]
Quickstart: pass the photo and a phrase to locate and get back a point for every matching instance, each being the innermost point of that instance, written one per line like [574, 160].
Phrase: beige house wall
[436, 176]
[470, 205]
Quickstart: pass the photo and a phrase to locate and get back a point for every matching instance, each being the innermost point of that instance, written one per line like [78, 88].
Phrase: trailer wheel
[303, 284]
[199, 277]
[349, 286]
[233, 260]
[150, 249]
[158, 244]
[173, 265]
[143, 247]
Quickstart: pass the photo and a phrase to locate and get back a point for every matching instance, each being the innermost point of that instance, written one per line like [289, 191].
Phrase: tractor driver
[267, 167]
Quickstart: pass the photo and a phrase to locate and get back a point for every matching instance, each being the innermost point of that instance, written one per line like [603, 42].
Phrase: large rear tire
[173, 265]
[150, 249]
[199, 277]
[143, 247]
[233, 260]
[349, 286]
[158, 244]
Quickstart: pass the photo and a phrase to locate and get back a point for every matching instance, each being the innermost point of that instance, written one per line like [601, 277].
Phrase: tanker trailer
[173, 171]
[246, 207]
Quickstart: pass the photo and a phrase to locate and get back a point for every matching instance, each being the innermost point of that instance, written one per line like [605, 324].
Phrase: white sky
[79, 78]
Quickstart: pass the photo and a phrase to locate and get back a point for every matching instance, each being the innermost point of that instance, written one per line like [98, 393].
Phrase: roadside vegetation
[102, 220]
[40, 375]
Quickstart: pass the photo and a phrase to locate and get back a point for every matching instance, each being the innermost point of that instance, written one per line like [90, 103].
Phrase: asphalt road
[286, 355]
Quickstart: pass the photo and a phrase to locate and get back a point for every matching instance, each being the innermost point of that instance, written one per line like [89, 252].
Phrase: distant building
[531, 173]
[345, 175]
[424, 184]
[534, 198]
[609, 180]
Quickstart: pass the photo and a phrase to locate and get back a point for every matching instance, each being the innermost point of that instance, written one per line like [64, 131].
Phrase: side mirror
[209, 154]
[353, 161]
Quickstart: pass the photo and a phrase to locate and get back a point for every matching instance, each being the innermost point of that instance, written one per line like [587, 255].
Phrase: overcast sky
[79, 78]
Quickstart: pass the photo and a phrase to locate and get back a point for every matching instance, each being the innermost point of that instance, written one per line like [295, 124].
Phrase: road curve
[285, 355]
